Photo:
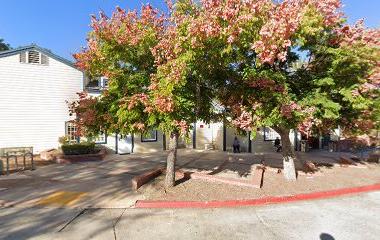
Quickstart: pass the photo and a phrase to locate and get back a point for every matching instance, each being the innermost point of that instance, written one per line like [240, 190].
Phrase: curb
[70, 159]
[258, 201]
[140, 180]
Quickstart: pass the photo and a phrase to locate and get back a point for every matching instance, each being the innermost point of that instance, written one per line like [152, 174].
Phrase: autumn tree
[292, 64]
[147, 88]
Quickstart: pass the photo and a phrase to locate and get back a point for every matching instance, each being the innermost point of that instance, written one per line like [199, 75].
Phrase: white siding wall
[33, 110]
[148, 147]
[209, 134]
[259, 145]
[111, 143]
[231, 133]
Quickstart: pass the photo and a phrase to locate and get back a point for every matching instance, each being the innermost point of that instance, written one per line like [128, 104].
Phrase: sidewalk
[101, 184]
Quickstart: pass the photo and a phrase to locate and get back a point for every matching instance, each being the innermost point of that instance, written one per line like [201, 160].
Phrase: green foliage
[4, 46]
[64, 140]
[175, 71]
[79, 148]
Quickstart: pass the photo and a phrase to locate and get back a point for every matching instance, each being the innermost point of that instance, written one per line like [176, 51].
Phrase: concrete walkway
[354, 217]
[101, 184]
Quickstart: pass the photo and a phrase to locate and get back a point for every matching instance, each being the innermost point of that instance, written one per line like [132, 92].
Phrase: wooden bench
[14, 153]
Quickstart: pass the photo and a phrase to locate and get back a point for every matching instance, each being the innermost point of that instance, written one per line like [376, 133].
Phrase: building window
[71, 130]
[34, 57]
[270, 134]
[101, 138]
[103, 83]
[149, 136]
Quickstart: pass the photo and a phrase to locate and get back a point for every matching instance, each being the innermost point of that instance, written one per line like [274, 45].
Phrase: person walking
[236, 145]
[277, 144]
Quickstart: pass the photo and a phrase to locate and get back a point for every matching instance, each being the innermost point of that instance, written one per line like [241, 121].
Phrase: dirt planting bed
[274, 184]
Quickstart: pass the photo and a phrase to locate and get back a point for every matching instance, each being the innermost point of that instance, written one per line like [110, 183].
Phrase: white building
[36, 84]
[202, 136]
[34, 87]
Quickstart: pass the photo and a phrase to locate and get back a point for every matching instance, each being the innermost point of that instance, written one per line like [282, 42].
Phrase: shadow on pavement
[326, 236]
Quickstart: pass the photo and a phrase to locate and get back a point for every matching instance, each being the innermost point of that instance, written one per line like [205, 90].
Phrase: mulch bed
[274, 184]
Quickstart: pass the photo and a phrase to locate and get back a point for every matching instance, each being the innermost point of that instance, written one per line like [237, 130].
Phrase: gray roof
[37, 48]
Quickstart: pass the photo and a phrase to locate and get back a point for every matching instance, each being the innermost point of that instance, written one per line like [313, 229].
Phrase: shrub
[63, 140]
[78, 148]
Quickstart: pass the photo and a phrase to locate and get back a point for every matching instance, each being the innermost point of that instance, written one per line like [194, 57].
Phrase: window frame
[72, 139]
[29, 57]
[26, 59]
[102, 83]
[105, 139]
[149, 139]
[266, 137]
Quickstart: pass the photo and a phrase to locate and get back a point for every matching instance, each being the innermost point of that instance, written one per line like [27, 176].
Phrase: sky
[62, 25]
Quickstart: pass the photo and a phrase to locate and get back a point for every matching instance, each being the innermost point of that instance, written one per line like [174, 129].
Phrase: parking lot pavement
[352, 217]
[27, 223]
[355, 217]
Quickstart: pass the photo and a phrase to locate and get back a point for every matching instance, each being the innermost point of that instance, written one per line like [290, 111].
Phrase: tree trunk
[288, 155]
[170, 161]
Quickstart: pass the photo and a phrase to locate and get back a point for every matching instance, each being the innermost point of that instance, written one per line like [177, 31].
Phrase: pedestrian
[277, 144]
[236, 145]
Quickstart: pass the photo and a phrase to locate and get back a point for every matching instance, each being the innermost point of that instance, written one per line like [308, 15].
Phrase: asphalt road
[353, 217]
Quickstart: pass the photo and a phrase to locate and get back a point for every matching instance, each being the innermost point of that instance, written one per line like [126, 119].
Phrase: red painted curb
[256, 202]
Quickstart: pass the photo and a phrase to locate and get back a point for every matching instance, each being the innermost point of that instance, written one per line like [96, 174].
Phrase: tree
[292, 64]
[146, 89]
[4, 46]
[336, 86]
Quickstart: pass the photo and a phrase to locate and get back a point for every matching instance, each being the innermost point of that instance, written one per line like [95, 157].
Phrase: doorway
[125, 144]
